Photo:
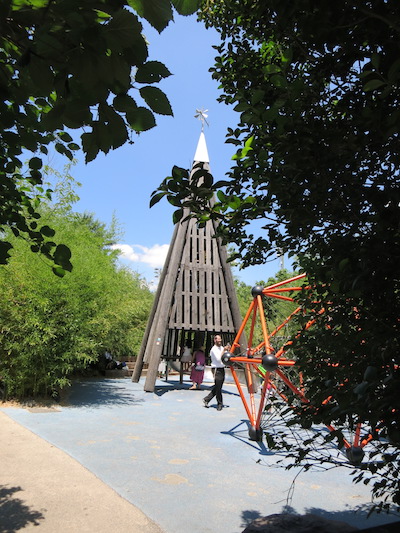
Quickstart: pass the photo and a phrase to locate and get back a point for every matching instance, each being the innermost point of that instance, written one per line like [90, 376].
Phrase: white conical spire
[201, 155]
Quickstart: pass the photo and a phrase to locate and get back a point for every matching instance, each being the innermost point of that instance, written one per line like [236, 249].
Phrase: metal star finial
[201, 114]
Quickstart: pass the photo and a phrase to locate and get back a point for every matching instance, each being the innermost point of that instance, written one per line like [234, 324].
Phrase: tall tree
[65, 65]
[52, 327]
[317, 86]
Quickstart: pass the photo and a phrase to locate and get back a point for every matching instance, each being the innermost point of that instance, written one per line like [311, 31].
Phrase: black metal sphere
[355, 455]
[255, 434]
[256, 291]
[226, 358]
[269, 362]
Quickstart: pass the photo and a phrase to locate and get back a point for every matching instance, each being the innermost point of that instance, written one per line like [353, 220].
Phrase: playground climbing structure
[268, 363]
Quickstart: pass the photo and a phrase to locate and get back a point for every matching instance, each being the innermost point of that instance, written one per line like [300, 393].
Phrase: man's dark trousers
[219, 378]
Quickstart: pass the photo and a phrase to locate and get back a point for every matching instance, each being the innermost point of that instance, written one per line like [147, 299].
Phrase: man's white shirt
[216, 354]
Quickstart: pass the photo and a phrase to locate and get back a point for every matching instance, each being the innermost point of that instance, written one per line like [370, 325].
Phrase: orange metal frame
[264, 361]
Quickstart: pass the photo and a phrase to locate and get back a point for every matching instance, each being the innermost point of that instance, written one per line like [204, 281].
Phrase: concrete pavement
[115, 458]
[43, 489]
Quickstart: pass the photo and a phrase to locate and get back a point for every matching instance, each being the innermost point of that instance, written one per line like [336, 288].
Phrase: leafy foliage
[66, 65]
[317, 87]
[52, 327]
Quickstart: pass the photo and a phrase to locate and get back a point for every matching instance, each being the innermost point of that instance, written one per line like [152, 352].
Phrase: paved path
[115, 458]
[43, 489]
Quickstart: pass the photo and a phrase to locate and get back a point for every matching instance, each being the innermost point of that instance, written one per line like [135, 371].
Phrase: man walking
[219, 372]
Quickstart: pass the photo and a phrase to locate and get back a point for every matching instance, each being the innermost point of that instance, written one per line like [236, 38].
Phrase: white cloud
[153, 257]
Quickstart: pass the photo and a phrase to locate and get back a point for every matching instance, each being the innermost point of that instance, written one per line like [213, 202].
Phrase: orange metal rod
[258, 361]
[239, 334]
[366, 440]
[268, 347]
[356, 441]
[239, 387]
[250, 385]
[268, 291]
[280, 283]
[262, 399]
[253, 323]
[286, 298]
[292, 387]
[295, 312]
[289, 343]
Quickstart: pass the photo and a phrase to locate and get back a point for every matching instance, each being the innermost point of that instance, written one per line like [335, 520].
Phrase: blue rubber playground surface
[186, 467]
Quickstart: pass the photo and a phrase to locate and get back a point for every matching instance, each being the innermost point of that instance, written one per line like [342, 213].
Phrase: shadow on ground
[99, 393]
[241, 433]
[14, 513]
[347, 516]
[169, 386]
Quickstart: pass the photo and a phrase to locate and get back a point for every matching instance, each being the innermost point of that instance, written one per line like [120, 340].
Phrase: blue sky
[121, 182]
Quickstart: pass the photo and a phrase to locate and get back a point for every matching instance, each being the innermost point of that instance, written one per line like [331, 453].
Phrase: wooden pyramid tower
[196, 297]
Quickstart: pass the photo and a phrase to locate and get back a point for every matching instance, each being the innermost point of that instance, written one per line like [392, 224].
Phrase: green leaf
[114, 71]
[157, 12]
[52, 120]
[4, 249]
[89, 146]
[62, 254]
[257, 96]
[247, 146]
[174, 200]
[115, 125]
[151, 72]
[177, 216]
[73, 146]
[142, 119]
[35, 163]
[243, 106]
[36, 176]
[58, 271]
[77, 114]
[373, 84]
[179, 173]
[156, 198]
[221, 196]
[64, 136]
[47, 231]
[278, 81]
[60, 148]
[122, 30]
[156, 100]
[102, 135]
[124, 103]
[22, 4]
[375, 60]
[394, 71]
[102, 15]
[41, 75]
[234, 202]
[186, 7]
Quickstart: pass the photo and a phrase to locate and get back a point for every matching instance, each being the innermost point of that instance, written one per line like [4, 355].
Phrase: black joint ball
[256, 291]
[226, 358]
[255, 434]
[355, 455]
[269, 362]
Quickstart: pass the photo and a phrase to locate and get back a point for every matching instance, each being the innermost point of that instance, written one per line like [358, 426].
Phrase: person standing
[197, 373]
[186, 357]
[219, 372]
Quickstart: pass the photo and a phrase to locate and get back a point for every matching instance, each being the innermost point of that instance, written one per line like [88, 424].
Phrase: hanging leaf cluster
[72, 65]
